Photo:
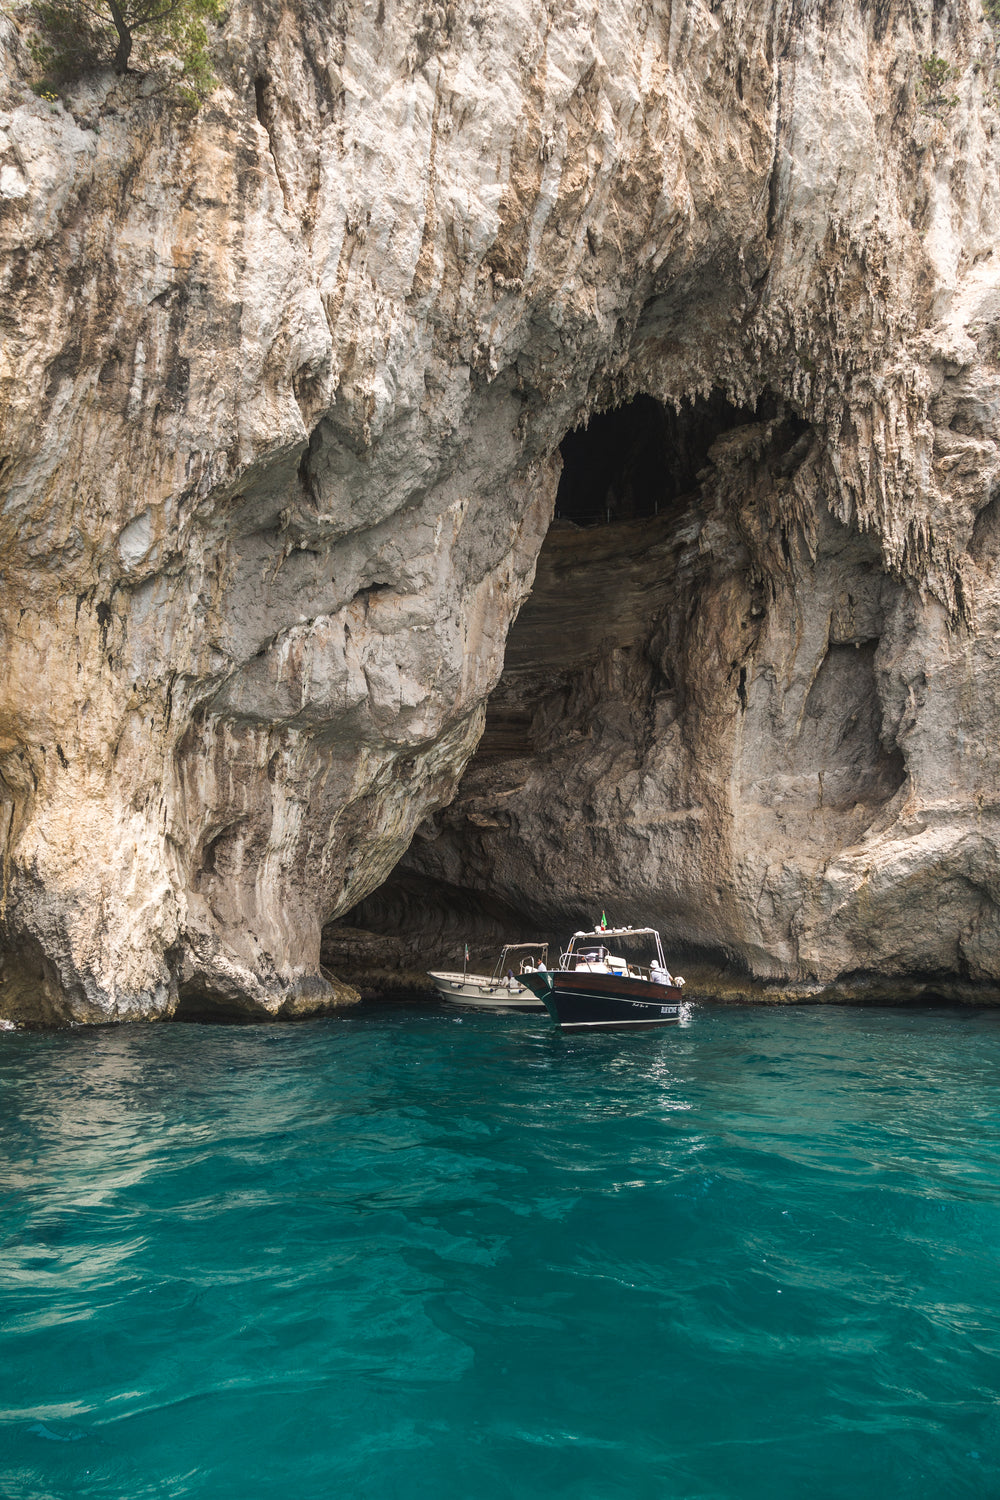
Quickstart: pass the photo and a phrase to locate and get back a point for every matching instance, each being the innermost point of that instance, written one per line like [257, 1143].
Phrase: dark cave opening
[639, 459]
[197, 1004]
[641, 462]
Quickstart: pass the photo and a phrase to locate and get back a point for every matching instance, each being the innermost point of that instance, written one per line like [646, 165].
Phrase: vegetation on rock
[936, 73]
[171, 35]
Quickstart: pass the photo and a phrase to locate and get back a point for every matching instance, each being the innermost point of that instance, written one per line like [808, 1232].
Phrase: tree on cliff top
[76, 34]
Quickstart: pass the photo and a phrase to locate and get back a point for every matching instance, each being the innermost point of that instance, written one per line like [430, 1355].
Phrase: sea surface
[418, 1254]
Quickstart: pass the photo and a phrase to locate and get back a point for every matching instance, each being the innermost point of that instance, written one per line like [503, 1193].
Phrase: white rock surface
[281, 395]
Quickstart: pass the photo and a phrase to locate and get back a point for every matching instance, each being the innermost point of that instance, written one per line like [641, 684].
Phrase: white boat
[501, 990]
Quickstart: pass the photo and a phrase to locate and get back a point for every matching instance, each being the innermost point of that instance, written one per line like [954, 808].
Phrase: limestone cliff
[282, 395]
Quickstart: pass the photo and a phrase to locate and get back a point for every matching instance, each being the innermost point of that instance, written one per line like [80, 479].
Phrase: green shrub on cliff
[168, 35]
[933, 92]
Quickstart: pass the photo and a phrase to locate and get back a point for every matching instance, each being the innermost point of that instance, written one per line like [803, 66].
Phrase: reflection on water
[416, 1253]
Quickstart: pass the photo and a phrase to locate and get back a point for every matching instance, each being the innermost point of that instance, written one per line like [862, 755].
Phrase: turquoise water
[416, 1253]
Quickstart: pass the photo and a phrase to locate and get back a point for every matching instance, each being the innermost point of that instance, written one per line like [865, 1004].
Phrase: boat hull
[581, 1000]
[478, 992]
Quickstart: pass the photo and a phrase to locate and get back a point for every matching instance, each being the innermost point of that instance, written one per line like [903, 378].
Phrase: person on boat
[658, 974]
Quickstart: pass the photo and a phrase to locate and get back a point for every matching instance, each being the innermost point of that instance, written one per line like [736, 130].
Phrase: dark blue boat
[595, 989]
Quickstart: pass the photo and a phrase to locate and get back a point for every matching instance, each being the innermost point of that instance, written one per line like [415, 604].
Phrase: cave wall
[282, 392]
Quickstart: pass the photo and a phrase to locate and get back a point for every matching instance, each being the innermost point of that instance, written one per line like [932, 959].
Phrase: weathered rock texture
[280, 407]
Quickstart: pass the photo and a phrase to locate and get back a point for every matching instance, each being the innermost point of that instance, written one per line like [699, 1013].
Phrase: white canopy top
[613, 932]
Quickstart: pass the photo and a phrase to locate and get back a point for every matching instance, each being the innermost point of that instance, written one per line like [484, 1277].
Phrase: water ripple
[409, 1254]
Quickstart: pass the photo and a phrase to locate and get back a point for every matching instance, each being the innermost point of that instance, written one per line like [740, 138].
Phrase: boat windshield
[631, 951]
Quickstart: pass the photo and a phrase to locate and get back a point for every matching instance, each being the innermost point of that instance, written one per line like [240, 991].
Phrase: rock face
[282, 395]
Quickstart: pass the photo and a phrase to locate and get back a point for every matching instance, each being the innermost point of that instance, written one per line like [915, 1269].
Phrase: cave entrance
[640, 459]
[577, 669]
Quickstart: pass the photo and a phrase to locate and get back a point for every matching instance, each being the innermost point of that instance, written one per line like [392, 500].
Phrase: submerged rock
[283, 391]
